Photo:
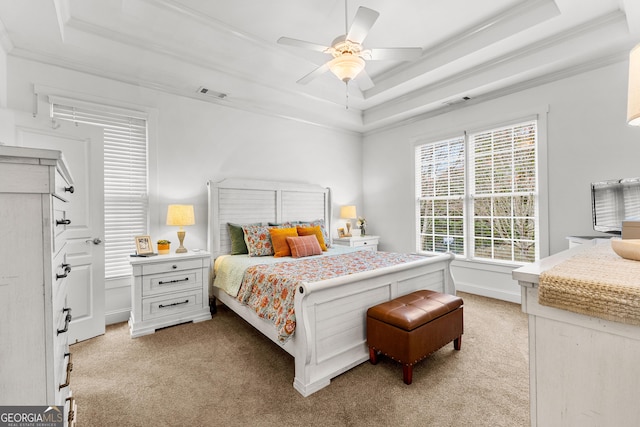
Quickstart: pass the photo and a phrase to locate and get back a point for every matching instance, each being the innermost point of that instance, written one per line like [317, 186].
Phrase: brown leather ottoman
[411, 327]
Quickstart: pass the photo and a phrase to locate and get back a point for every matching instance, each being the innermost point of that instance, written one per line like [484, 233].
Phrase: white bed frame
[330, 335]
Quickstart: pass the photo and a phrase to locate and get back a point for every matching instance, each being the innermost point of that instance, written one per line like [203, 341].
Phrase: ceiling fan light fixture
[346, 66]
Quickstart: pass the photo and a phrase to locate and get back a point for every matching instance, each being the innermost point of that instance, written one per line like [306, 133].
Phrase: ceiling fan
[349, 56]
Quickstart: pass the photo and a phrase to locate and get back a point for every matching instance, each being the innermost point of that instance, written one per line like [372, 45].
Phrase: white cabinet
[581, 240]
[168, 290]
[35, 191]
[365, 243]
[583, 369]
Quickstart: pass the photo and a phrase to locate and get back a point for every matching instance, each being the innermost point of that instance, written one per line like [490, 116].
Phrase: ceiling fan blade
[364, 81]
[362, 23]
[315, 73]
[395, 53]
[303, 44]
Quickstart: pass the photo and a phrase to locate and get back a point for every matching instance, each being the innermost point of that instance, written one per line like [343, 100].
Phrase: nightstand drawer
[169, 282]
[165, 305]
[362, 243]
[368, 242]
[176, 265]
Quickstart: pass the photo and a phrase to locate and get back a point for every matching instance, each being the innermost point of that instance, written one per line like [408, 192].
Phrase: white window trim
[541, 115]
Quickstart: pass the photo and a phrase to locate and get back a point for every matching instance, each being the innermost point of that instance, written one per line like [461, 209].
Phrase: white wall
[192, 141]
[3, 77]
[588, 140]
[6, 116]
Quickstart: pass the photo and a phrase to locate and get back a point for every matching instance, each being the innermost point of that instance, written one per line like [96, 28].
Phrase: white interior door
[83, 149]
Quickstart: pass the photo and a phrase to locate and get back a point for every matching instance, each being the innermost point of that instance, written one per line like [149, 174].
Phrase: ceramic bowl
[627, 248]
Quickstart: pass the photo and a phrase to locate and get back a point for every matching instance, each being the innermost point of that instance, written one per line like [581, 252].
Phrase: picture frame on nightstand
[341, 233]
[143, 245]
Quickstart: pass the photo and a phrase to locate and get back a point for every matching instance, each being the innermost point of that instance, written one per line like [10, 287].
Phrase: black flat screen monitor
[614, 201]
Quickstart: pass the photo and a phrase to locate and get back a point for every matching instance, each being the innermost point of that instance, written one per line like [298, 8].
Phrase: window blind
[441, 180]
[125, 179]
[503, 179]
[477, 194]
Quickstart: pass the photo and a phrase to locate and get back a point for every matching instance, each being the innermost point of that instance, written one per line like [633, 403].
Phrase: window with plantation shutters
[477, 195]
[125, 178]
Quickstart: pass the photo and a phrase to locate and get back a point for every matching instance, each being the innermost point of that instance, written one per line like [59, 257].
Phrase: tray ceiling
[471, 49]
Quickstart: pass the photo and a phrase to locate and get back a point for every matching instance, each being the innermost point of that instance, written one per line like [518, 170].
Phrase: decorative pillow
[279, 240]
[286, 224]
[258, 240]
[238, 245]
[319, 222]
[313, 231]
[304, 246]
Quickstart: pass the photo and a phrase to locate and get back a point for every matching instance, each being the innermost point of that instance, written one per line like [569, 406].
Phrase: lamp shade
[346, 66]
[348, 212]
[180, 215]
[633, 97]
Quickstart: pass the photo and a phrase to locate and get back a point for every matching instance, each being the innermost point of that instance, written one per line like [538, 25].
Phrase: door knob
[95, 241]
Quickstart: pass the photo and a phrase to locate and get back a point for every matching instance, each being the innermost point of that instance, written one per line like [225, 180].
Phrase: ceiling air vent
[211, 93]
[457, 101]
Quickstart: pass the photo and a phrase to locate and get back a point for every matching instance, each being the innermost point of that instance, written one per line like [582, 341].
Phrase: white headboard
[244, 201]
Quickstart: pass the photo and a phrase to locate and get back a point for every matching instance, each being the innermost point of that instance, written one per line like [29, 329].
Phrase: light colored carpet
[224, 373]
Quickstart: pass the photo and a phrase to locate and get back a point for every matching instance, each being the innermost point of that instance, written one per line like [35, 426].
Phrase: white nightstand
[365, 243]
[168, 290]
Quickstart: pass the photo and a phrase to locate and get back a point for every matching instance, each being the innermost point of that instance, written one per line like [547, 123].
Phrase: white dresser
[583, 370]
[35, 363]
[168, 290]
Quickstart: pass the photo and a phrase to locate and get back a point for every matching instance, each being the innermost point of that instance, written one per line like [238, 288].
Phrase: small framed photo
[341, 233]
[143, 245]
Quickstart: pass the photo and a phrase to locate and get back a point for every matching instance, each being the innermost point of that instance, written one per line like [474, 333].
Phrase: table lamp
[348, 213]
[180, 215]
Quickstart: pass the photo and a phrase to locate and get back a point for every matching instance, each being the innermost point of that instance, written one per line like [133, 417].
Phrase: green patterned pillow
[236, 234]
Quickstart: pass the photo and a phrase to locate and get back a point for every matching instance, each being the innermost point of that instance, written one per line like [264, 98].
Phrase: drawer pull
[167, 282]
[174, 266]
[69, 189]
[63, 221]
[72, 413]
[66, 270]
[69, 369]
[174, 304]
[67, 320]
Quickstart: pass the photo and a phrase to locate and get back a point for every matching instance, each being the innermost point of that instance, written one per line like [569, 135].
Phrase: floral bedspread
[269, 289]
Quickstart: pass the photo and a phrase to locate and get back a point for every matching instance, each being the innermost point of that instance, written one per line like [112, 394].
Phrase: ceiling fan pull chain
[346, 102]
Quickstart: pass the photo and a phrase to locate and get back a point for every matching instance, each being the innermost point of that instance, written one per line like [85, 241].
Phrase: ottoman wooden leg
[373, 356]
[407, 374]
[457, 343]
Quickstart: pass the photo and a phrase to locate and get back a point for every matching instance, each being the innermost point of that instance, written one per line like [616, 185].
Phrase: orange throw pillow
[313, 231]
[279, 240]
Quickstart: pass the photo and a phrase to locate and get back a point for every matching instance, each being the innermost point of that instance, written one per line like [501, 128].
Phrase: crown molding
[594, 64]
[385, 110]
[265, 109]
[503, 24]
[210, 21]
[184, 56]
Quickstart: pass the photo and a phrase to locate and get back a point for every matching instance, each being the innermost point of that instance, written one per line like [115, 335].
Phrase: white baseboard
[118, 316]
[489, 292]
